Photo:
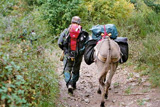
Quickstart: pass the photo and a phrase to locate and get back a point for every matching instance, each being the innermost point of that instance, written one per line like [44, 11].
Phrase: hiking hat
[76, 19]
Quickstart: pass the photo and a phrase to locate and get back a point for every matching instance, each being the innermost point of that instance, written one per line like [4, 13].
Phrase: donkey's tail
[108, 60]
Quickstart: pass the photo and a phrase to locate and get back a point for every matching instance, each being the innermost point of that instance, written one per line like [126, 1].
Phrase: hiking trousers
[71, 69]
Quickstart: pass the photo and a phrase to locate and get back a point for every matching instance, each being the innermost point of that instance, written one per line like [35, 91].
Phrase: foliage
[25, 78]
[154, 4]
[6, 6]
[150, 56]
[133, 1]
[92, 12]
[128, 90]
[59, 14]
[139, 25]
[141, 102]
[17, 25]
[142, 22]
[103, 11]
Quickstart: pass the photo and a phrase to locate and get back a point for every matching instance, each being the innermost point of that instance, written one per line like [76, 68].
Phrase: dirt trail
[128, 89]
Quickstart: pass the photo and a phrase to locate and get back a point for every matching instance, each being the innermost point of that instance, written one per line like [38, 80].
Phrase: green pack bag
[98, 29]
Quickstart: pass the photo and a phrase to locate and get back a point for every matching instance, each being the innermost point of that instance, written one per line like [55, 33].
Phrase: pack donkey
[106, 56]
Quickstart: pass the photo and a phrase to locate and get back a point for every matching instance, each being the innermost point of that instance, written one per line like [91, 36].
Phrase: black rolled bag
[89, 51]
[123, 44]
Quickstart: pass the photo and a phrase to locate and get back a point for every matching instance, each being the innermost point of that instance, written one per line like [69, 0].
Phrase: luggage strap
[105, 33]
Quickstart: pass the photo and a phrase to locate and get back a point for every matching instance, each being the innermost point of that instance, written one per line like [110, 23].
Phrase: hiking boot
[70, 89]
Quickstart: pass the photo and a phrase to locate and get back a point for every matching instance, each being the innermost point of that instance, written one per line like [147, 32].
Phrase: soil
[128, 89]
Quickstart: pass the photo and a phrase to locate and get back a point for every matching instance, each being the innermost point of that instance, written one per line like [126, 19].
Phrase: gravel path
[128, 89]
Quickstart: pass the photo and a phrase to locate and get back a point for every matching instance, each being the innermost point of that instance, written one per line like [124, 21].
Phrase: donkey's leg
[102, 87]
[100, 66]
[112, 71]
[99, 88]
[102, 84]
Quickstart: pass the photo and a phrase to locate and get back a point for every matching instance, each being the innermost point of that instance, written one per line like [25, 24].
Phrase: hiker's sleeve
[61, 39]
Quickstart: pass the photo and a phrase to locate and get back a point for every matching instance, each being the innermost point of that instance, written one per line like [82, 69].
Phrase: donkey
[106, 56]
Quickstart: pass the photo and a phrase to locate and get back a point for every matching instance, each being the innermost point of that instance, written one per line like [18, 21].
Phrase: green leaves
[59, 14]
[9, 67]
[25, 78]
[149, 55]
[153, 4]
[3, 90]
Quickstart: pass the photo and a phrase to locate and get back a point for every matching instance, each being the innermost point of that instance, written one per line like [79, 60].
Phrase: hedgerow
[27, 73]
[26, 79]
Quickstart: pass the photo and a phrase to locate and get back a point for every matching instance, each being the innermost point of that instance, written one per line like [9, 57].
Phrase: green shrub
[59, 14]
[6, 6]
[103, 11]
[25, 78]
[149, 55]
[155, 5]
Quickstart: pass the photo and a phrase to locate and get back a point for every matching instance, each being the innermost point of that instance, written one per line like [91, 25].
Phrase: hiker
[32, 37]
[72, 41]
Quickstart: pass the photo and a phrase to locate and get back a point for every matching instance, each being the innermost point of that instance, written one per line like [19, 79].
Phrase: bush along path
[128, 89]
[27, 76]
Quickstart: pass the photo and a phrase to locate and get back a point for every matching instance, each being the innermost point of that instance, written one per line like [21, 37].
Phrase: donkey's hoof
[99, 91]
[106, 96]
[102, 104]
